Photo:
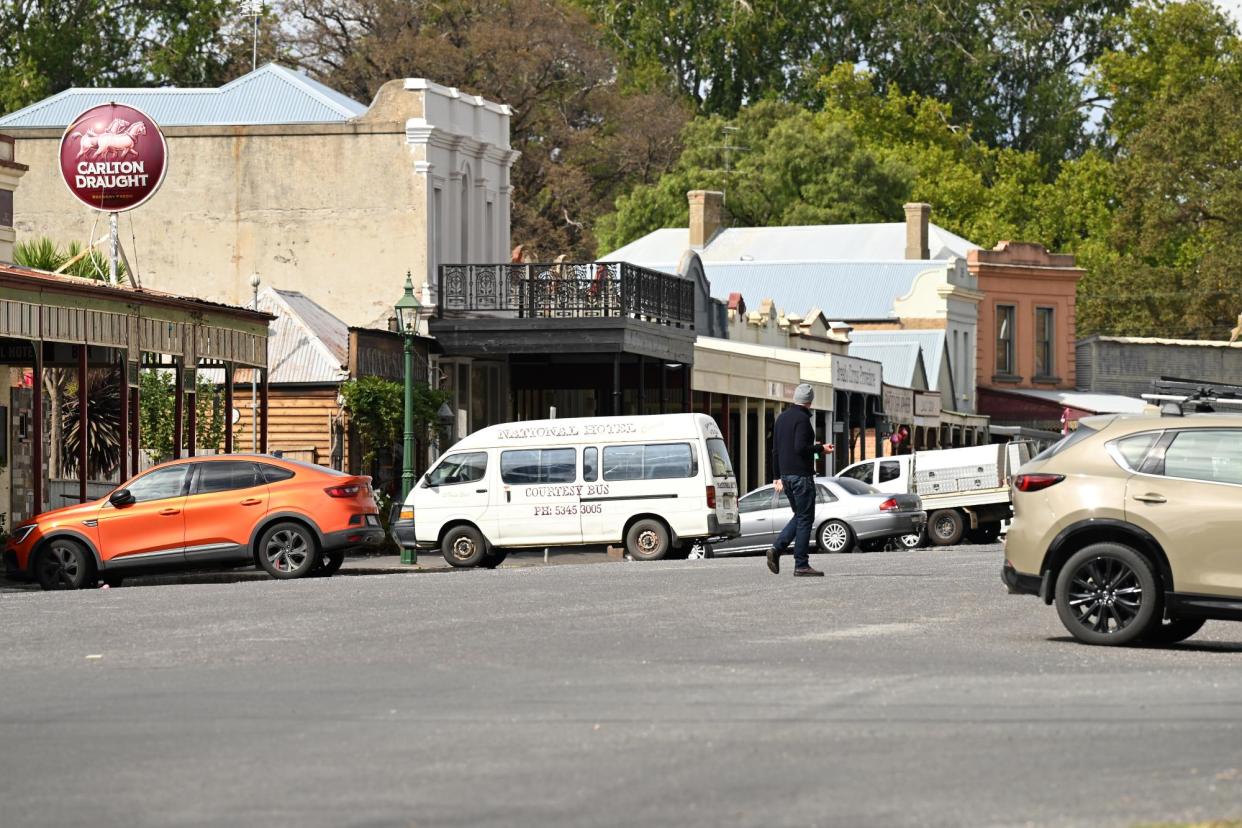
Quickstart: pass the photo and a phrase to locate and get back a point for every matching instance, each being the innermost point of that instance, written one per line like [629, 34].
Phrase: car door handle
[1151, 498]
[251, 501]
[480, 491]
[170, 512]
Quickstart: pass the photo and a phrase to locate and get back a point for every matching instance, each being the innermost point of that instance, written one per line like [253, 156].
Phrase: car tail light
[890, 505]
[348, 490]
[1036, 482]
[711, 497]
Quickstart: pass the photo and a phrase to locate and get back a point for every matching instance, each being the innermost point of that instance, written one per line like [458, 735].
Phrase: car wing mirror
[120, 498]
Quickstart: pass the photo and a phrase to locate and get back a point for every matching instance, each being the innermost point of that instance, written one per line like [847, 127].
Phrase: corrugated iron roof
[271, 94]
[1085, 401]
[662, 249]
[844, 290]
[306, 343]
[932, 342]
[902, 361]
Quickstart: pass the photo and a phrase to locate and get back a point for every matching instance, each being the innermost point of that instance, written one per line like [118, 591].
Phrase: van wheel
[494, 558]
[1107, 594]
[288, 550]
[329, 563]
[463, 546]
[945, 527]
[1172, 631]
[647, 540]
[65, 564]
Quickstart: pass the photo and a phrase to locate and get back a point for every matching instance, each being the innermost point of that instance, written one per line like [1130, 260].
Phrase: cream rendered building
[278, 175]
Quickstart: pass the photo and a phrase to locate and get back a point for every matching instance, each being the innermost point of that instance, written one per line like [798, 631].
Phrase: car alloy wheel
[911, 541]
[834, 536]
[1107, 594]
[288, 550]
[63, 564]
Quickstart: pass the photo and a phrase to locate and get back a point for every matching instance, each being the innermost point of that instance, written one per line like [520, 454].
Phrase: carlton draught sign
[113, 157]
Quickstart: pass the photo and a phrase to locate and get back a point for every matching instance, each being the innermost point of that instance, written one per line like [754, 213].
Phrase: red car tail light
[1036, 482]
[349, 490]
[890, 505]
[711, 497]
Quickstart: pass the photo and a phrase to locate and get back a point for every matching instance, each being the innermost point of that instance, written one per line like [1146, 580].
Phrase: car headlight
[22, 532]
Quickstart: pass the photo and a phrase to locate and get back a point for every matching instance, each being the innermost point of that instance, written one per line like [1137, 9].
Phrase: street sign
[113, 157]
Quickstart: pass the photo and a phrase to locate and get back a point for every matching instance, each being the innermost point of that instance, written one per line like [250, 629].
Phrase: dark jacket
[793, 444]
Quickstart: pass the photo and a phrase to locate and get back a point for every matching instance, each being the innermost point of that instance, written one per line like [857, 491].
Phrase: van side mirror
[120, 498]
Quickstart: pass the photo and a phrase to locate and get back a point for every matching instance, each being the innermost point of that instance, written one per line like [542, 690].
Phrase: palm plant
[103, 426]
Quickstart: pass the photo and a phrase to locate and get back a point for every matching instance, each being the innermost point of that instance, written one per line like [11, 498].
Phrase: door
[227, 500]
[151, 530]
[889, 478]
[759, 513]
[1186, 497]
[457, 488]
[540, 497]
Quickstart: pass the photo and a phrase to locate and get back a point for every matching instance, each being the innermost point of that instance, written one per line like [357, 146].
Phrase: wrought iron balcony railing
[565, 291]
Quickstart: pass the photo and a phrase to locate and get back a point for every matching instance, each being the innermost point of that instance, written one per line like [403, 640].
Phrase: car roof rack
[1177, 397]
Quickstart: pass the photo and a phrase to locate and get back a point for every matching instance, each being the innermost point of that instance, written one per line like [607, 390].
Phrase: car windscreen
[855, 486]
[1076, 436]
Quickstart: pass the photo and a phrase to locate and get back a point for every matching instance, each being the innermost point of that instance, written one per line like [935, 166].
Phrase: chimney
[10, 172]
[917, 219]
[706, 216]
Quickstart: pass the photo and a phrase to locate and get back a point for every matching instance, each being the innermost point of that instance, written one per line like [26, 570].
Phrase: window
[1045, 335]
[275, 474]
[223, 476]
[1004, 339]
[1076, 436]
[649, 462]
[159, 484]
[862, 472]
[527, 466]
[889, 470]
[856, 486]
[1214, 455]
[719, 457]
[463, 467]
[590, 464]
[1130, 451]
[756, 501]
[822, 495]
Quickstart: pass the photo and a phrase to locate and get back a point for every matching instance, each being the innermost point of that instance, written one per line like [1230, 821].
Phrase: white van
[655, 484]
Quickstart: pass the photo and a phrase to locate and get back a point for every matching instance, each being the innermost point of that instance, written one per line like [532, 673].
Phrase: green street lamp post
[408, 311]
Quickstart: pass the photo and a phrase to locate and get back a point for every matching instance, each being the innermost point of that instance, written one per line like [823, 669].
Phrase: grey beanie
[803, 394]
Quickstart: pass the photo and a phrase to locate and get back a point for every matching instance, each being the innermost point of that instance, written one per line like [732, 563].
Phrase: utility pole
[254, 375]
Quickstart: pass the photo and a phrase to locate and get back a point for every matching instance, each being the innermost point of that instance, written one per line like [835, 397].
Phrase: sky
[1233, 7]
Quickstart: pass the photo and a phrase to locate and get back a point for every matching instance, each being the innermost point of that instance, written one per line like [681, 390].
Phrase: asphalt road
[906, 688]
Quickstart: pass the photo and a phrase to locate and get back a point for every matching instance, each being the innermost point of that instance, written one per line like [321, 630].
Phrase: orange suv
[292, 519]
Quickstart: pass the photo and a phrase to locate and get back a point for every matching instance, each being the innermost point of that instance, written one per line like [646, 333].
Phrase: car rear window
[275, 474]
[856, 486]
[1076, 436]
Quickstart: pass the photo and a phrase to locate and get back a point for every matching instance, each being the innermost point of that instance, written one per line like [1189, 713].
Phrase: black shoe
[807, 572]
[774, 562]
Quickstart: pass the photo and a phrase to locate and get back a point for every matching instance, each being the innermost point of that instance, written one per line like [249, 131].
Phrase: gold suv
[1131, 525]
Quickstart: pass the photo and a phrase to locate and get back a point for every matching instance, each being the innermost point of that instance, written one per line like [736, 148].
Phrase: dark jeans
[801, 494]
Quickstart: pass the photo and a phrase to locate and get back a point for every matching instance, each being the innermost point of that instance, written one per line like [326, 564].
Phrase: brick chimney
[706, 216]
[918, 216]
[10, 172]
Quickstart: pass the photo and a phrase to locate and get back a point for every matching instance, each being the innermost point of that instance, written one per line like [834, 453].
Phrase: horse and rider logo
[113, 157]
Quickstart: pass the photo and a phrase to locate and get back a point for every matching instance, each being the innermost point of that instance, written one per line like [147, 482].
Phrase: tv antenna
[727, 149]
[253, 9]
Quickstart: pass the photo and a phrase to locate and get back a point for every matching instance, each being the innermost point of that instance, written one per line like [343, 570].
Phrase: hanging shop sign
[899, 404]
[853, 374]
[927, 407]
[113, 157]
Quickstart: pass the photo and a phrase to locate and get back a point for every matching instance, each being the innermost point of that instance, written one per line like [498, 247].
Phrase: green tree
[157, 413]
[376, 410]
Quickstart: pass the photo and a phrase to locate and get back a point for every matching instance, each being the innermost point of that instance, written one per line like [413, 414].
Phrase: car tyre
[463, 547]
[647, 540]
[288, 550]
[945, 527]
[1172, 631]
[834, 536]
[65, 564]
[329, 563]
[1107, 594]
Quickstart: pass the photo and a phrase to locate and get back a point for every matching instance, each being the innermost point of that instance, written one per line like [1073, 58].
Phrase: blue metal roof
[931, 341]
[272, 94]
[842, 290]
[901, 361]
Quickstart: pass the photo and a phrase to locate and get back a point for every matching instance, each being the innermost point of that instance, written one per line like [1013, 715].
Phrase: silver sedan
[847, 512]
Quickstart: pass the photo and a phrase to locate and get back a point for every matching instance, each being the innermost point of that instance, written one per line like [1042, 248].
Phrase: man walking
[793, 472]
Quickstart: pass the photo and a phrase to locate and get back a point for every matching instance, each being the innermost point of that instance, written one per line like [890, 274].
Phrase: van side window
[526, 466]
[889, 470]
[650, 462]
[463, 467]
[590, 464]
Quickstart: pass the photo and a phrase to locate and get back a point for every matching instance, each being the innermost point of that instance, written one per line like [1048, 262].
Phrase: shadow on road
[1191, 646]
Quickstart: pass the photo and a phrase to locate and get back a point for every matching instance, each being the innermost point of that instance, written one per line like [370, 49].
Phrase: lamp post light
[408, 309]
